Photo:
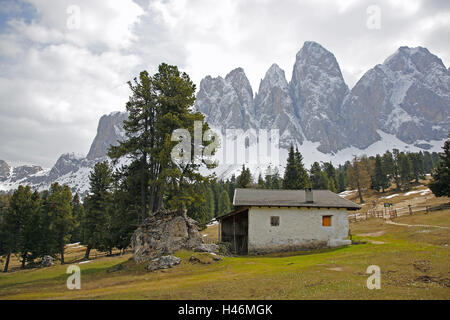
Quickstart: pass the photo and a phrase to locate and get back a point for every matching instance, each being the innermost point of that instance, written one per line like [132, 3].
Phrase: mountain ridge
[403, 102]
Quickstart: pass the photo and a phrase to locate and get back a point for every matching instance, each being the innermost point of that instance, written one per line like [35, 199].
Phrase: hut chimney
[309, 195]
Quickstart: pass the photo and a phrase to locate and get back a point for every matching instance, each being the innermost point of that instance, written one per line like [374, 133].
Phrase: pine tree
[158, 106]
[315, 175]
[245, 178]
[405, 171]
[60, 211]
[224, 203]
[78, 216]
[418, 167]
[98, 209]
[427, 162]
[341, 183]
[396, 168]
[303, 178]
[330, 171]
[323, 183]
[295, 175]
[5, 236]
[381, 180]
[261, 182]
[440, 185]
[291, 175]
[21, 222]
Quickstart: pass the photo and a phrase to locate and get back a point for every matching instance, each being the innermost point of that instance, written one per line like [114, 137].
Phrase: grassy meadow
[414, 264]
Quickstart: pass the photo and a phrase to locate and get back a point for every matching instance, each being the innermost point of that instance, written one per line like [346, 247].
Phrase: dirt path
[415, 225]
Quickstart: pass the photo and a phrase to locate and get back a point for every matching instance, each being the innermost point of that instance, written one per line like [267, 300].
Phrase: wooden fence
[392, 212]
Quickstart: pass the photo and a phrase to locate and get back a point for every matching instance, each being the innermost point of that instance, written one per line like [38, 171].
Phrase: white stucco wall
[299, 228]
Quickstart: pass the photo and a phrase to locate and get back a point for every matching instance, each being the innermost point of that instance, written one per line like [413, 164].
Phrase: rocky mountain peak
[318, 90]
[228, 102]
[312, 56]
[5, 170]
[410, 60]
[274, 77]
[109, 132]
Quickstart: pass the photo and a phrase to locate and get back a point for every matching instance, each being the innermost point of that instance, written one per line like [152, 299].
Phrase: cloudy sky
[65, 63]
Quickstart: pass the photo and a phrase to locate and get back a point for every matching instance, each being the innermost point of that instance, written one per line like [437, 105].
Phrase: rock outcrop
[47, 261]
[5, 170]
[211, 248]
[164, 262]
[164, 233]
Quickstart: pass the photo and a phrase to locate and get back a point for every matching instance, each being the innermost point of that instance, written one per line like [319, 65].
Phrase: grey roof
[290, 198]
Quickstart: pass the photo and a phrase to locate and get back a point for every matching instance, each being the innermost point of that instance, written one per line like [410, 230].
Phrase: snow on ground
[391, 196]
[73, 244]
[212, 223]
[310, 154]
[347, 193]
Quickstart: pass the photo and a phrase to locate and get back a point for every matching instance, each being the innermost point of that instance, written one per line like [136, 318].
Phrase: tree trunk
[88, 252]
[62, 253]
[7, 261]
[24, 258]
[361, 200]
[143, 187]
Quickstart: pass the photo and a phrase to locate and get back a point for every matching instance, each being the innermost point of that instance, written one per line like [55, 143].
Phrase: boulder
[164, 262]
[211, 248]
[164, 233]
[47, 261]
[204, 258]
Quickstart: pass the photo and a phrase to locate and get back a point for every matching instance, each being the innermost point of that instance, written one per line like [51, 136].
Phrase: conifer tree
[440, 185]
[98, 209]
[261, 182]
[61, 218]
[78, 216]
[418, 167]
[245, 178]
[224, 203]
[159, 105]
[381, 180]
[405, 171]
[396, 168]
[291, 175]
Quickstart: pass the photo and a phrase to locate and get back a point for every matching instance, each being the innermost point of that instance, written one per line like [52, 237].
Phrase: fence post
[428, 209]
[410, 209]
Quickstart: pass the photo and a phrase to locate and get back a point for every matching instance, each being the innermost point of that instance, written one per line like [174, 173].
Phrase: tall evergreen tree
[78, 216]
[244, 180]
[224, 203]
[60, 211]
[158, 106]
[317, 176]
[418, 167]
[405, 171]
[295, 175]
[330, 171]
[98, 209]
[380, 178]
[440, 185]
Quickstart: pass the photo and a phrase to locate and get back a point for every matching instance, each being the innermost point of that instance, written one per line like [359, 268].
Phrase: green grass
[414, 265]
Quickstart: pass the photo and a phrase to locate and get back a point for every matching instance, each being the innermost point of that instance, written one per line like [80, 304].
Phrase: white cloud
[56, 82]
